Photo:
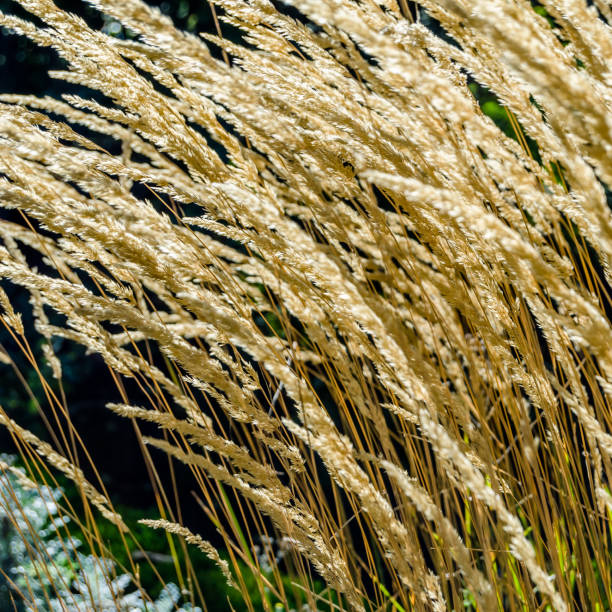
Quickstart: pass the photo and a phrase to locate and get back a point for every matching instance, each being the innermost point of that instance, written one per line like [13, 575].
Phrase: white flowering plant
[41, 567]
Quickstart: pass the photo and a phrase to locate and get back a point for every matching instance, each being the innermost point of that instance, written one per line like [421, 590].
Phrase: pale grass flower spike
[424, 417]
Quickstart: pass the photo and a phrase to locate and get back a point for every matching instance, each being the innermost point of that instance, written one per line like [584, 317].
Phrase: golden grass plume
[425, 410]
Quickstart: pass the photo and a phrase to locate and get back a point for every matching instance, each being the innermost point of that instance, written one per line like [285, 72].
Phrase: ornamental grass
[373, 325]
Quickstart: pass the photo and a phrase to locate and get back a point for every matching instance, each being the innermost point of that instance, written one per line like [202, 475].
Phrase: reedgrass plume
[379, 320]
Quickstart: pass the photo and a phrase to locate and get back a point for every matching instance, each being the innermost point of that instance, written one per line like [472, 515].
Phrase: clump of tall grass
[383, 324]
